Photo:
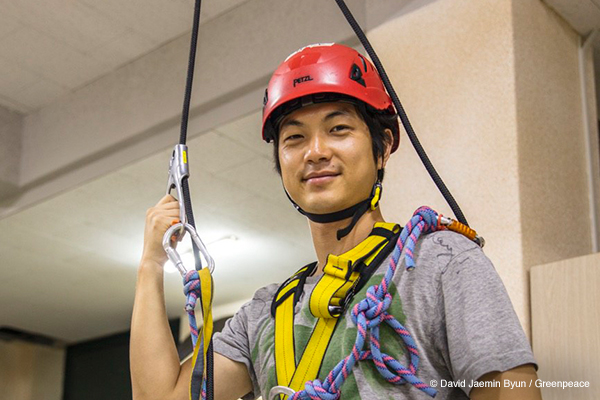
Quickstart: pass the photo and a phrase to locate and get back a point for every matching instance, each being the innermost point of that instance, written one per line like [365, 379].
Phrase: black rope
[187, 199]
[402, 114]
[185, 114]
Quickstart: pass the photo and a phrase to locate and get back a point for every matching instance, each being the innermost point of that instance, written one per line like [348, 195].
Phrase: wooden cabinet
[565, 310]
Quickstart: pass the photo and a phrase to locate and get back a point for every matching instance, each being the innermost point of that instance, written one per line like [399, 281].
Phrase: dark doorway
[99, 369]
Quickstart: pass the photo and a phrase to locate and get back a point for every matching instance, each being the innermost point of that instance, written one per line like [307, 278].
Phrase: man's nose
[318, 149]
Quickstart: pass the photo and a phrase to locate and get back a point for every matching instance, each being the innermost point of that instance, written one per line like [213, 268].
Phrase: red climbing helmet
[320, 73]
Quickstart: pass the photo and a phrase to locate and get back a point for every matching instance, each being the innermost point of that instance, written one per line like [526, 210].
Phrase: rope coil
[191, 289]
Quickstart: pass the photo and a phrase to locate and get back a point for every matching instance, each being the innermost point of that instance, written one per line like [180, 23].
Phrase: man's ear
[387, 150]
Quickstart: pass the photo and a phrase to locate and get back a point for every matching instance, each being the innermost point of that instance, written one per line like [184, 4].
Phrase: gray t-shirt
[453, 303]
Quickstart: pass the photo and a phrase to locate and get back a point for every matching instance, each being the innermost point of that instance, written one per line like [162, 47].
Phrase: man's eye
[292, 137]
[339, 128]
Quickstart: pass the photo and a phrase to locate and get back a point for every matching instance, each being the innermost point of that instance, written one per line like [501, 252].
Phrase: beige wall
[10, 151]
[592, 91]
[552, 166]
[492, 90]
[30, 372]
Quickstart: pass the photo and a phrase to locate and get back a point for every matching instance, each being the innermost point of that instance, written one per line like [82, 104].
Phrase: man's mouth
[320, 177]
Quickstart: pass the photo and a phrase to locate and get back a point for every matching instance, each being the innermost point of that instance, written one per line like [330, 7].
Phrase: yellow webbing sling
[205, 332]
[326, 303]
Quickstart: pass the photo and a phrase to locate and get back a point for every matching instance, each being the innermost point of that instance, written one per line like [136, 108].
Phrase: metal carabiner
[178, 169]
[277, 390]
[174, 255]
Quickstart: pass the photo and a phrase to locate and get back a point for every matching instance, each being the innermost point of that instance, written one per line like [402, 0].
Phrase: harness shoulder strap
[282, 309]
[339, 282]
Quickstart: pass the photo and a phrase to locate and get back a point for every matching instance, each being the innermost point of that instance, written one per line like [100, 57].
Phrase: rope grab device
[299, 381]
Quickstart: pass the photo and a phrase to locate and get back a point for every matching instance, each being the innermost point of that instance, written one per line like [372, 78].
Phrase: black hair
[376, 120]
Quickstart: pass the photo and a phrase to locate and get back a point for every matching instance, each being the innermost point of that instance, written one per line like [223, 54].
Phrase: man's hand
[158, 219]
[523, 373]
[156, 373]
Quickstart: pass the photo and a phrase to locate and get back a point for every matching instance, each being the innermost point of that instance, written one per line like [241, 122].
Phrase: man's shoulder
[266, 292]
[445, 244]
[436, 251]
[259, 304]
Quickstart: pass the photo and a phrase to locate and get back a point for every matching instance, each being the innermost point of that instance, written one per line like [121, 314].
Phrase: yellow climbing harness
[342, 277]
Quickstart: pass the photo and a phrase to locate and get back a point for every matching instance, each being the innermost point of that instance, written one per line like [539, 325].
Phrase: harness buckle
[174, 255]
[178, 170]
[277, 390]
[336, 311]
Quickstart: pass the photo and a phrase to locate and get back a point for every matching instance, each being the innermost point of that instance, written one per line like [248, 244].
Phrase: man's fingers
[173, 214]
[157, 217]
[171, 205]
[166, 199]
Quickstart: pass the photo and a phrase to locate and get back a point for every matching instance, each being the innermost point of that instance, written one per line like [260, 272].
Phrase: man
[334, 129]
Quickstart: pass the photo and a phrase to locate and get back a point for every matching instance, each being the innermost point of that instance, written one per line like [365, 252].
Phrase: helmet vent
[364, 62]
[356, 75]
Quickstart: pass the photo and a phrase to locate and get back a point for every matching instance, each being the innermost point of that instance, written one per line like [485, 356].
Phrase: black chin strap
[356, 211]
[363, 207]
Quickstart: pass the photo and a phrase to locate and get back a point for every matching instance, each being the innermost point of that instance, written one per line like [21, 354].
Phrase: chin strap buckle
[376, 195]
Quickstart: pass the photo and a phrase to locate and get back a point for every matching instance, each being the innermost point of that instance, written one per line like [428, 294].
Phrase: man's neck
[325, 235]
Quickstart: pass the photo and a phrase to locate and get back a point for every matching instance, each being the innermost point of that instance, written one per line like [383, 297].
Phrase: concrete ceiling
[582, 15]
[51, 48]
[69, 270]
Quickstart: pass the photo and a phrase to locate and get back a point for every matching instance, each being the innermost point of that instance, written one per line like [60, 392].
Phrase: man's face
[326, 157]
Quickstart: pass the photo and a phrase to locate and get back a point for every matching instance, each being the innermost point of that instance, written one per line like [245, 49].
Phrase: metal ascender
[178, 171]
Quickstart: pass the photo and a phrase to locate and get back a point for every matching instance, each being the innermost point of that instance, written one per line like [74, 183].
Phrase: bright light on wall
[224, 243]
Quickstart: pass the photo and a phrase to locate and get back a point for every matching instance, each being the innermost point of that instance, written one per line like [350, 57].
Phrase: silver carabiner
[174, 255]
[277, 390]
[178, 169]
